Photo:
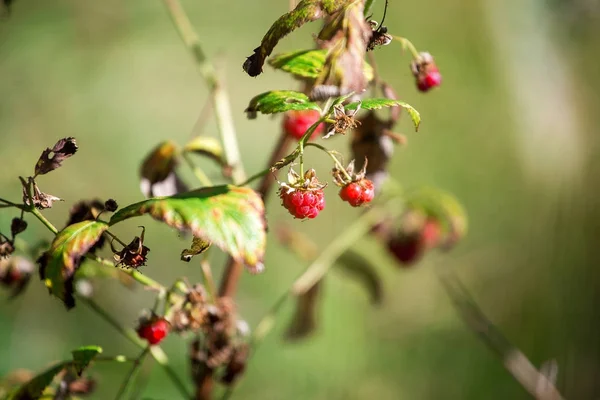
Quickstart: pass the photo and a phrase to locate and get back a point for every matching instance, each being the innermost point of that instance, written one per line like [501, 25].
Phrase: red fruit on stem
[431, 233]
[296, 123]
[154, 330]
[358, 193]
[303, 203]
[426, 72]
[406, 249]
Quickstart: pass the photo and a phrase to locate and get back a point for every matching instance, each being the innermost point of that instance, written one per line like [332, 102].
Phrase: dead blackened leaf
[52, 159]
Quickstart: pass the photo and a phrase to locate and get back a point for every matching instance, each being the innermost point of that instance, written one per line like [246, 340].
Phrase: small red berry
[303, 203]
[426, 72]
[431, 233]
[406, 249]
[358, 193]
[296, 123]
[154, 330]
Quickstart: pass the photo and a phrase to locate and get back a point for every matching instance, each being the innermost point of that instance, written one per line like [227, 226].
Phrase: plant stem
[208, 279]
[219, 95]
[407, 44]
[130, 375]
[337, 163]
[135, 274]
[43, 220]
[200, 175]
[119, 359]
[159, 356]
[9, 203]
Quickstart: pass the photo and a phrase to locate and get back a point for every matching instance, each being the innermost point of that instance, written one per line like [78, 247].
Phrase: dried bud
[236, 365]
[15, 273]
[17, 226]
[6, 247]
[82, 386]
[52, 158]
[110, 205]
[134, 255]
[41, 200]
[342, 121]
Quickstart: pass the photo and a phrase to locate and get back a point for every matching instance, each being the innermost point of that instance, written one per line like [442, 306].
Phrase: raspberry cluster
[303, 203]
[409, 248]
[296, 123]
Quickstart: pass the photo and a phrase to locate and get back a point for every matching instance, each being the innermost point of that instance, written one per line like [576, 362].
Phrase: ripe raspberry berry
[153, 330]
[426, 73]
[410, 247]
[358, 193]
[302, 196]
[295, 123]
[303, 203]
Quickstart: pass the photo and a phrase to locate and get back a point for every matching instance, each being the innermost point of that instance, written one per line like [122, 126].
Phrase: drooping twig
[517, 364]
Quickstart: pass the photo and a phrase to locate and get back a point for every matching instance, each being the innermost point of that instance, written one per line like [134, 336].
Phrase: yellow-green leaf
[230, 217]
[59, 263]
[277, 101]
[206, 146]
[375, 104]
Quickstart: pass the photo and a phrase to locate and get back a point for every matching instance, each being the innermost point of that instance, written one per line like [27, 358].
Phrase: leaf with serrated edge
[307, 63]
[230, 217]
[60, 262]
[376, 104]
[206, 146]
[34, 388]
[277, 101]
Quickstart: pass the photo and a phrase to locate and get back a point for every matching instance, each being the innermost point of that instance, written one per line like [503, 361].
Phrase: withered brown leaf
[52, 158]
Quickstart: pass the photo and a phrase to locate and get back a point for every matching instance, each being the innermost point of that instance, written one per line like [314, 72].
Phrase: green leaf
[206, 146]
[59, 263]
[230, 217]
[363, 270]
[307, 63]
[277, 101]
[83, 356]
[305, 11]
[375, 104]
[34, 388]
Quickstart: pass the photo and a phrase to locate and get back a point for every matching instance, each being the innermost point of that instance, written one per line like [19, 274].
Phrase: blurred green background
[512, 132]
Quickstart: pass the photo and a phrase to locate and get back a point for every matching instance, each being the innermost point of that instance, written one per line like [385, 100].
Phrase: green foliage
[307, 63]
[198, 246]
[34, 388]
[59, 263]
[230, 217]
[277, 101]
[376, 104]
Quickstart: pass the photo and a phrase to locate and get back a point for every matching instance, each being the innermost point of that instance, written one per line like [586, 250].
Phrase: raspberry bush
[340, 93]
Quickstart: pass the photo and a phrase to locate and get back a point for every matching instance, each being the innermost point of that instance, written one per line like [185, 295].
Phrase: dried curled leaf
[158, 175]
[199, 246]
[34, 388]
[59, 264]
[52, 158]
[277, 101]
[305, 11]
[206, 146]
[230, 217]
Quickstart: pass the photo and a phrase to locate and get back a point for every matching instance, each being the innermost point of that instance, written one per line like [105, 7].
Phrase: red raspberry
[409, 248]
[430, 79]
[358, 193]
[406, 249]
[295, 123]
[303, 203]
[154, 330]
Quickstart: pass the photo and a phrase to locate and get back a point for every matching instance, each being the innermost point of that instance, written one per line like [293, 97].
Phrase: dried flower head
[134, 255]
[40, 199]
[342, 120]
